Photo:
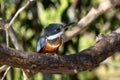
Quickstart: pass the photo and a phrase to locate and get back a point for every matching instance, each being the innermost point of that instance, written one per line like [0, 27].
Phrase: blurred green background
[32, 21]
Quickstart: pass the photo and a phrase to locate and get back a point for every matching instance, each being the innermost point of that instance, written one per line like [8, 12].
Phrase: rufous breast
[52, 47]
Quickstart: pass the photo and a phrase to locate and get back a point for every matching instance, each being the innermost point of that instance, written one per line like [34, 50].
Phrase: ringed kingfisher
[52, 38]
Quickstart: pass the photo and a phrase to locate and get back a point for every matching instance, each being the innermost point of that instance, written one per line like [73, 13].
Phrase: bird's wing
[41, 43]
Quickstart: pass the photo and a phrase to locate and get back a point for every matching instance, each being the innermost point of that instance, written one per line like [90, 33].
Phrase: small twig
[7, 38]
[17, 13]
[6, 72]
[3, 68]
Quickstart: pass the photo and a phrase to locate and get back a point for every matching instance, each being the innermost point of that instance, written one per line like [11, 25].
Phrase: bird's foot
[55, 55]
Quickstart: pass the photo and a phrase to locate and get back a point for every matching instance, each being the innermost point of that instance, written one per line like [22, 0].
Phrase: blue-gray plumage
[41, 43]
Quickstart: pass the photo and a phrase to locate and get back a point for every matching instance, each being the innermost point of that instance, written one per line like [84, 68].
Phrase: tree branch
[90, 17]
[84, 60]
[17, 13]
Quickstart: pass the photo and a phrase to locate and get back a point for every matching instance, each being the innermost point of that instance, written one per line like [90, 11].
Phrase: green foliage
[31, 22]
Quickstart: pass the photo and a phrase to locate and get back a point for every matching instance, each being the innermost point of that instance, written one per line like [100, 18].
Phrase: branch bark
[94, 13]
[84, 60]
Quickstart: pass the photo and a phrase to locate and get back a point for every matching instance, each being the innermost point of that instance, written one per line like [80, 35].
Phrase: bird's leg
[55, 55]
[52, 55]
[46, 53]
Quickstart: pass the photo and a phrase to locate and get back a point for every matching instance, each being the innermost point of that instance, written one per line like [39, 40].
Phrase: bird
[51, 40]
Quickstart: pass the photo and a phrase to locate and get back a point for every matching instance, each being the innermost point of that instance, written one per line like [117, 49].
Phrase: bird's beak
[66, 25]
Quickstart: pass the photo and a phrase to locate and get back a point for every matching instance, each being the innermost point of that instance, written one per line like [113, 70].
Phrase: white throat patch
[54, 36]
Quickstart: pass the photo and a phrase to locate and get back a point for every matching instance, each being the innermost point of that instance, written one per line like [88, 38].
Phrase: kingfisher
[51, 40]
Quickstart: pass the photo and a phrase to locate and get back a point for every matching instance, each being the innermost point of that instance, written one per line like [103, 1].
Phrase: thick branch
[84, 60]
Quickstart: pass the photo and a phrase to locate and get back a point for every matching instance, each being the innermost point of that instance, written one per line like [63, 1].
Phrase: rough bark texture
[84, 60]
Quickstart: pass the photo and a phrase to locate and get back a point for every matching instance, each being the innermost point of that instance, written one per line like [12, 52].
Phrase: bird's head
[53, 31]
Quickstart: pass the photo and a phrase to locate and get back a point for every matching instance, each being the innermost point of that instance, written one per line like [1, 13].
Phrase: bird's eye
[58, 30]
